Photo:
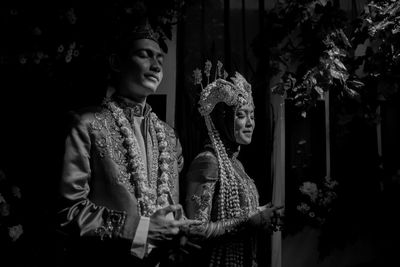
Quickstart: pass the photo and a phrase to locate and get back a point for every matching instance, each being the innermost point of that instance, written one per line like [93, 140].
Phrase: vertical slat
[244, 38]
[227, 36]
[278, 191]
[327, 136]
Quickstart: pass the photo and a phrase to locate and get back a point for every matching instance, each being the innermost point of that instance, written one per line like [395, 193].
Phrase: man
[120, 170]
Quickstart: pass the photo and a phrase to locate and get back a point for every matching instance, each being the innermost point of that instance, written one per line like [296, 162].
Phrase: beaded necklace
[151, 197]
[228, 200]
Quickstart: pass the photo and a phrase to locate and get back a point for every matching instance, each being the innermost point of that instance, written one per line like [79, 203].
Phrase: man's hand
[165, 224]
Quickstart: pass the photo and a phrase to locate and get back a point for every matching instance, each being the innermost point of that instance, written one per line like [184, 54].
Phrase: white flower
[60, 49]
[164, 167]
[303, 207]
[4, 209]
[160, 135]
[164, 156]
[15, 232]
[310, 189]
[163, 145]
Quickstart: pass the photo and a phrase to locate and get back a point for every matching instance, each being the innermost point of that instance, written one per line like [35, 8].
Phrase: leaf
[319, 90]
[355, 83]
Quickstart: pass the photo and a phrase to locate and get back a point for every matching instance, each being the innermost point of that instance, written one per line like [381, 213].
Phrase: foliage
[379, 30]
[51, 39]
[309, 56]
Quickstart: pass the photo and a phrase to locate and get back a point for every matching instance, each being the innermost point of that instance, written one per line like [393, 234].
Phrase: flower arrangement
[11, 228]
[317, 199]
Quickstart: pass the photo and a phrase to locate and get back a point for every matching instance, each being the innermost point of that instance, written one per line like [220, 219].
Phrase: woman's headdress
[235, 93]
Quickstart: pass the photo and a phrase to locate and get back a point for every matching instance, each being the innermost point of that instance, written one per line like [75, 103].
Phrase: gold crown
[235, 93]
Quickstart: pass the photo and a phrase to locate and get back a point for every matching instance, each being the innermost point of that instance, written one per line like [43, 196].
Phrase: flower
[207, 68]
[197, 76]
[310, 189]
[15, 232]
[318, 201]
[9, 214]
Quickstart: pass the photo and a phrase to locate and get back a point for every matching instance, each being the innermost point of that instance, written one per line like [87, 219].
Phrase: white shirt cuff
[139, 244]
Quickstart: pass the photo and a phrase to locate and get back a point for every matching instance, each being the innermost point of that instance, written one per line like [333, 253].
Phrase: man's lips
[152, 77]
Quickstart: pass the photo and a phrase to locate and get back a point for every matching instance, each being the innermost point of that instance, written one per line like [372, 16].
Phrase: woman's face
[244, 124]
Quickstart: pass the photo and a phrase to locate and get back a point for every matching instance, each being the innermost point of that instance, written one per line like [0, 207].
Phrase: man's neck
[138, 100]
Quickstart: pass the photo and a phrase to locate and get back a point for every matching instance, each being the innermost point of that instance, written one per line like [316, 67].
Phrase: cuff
[139, 244]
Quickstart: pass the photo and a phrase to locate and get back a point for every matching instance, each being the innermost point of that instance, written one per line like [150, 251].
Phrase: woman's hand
[267, 217]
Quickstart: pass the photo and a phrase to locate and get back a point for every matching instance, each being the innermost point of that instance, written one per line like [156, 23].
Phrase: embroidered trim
[203, 202]
[113, 221]
[150, 197]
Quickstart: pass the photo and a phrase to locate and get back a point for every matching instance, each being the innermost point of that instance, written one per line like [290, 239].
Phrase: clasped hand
[165, 224]
[268, 217]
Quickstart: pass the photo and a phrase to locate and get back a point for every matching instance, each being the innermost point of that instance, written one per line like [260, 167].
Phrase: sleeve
[77, 214]
[179, 155]
[202, 180]
[177, 168]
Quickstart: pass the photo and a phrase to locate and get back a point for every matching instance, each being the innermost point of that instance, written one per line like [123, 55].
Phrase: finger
[192, 245]
[186, 223]
[170, 208]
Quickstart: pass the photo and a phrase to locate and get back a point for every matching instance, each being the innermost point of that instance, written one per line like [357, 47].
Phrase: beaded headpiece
[235, 93]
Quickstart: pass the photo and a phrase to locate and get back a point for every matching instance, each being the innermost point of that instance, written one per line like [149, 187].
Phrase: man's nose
[155, 65]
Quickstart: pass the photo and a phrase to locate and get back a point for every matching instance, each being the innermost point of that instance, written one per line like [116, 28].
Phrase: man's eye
[142, 53]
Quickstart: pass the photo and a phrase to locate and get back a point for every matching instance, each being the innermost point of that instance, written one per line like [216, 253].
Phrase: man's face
[142, 71]
[244, 124]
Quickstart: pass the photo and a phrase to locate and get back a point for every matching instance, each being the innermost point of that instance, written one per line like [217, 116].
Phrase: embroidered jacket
[99, 196]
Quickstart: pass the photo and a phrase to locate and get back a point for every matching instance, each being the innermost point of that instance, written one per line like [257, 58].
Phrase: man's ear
[115, 62]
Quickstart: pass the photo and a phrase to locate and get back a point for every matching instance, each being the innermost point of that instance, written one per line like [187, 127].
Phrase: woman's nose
[249, 122]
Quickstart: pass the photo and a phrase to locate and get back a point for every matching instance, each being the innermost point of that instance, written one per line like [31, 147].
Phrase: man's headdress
[144, 31]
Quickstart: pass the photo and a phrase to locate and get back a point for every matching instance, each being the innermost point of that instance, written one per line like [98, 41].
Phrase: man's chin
[150, 88]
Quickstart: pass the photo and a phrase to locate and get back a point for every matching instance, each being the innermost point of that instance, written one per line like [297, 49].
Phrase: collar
[132, 108]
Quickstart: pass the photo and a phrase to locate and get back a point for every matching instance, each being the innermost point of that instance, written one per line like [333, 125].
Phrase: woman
[219, 192]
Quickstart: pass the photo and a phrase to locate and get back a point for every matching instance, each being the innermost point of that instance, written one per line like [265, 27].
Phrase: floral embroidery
[203, 202]
[112, 224]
